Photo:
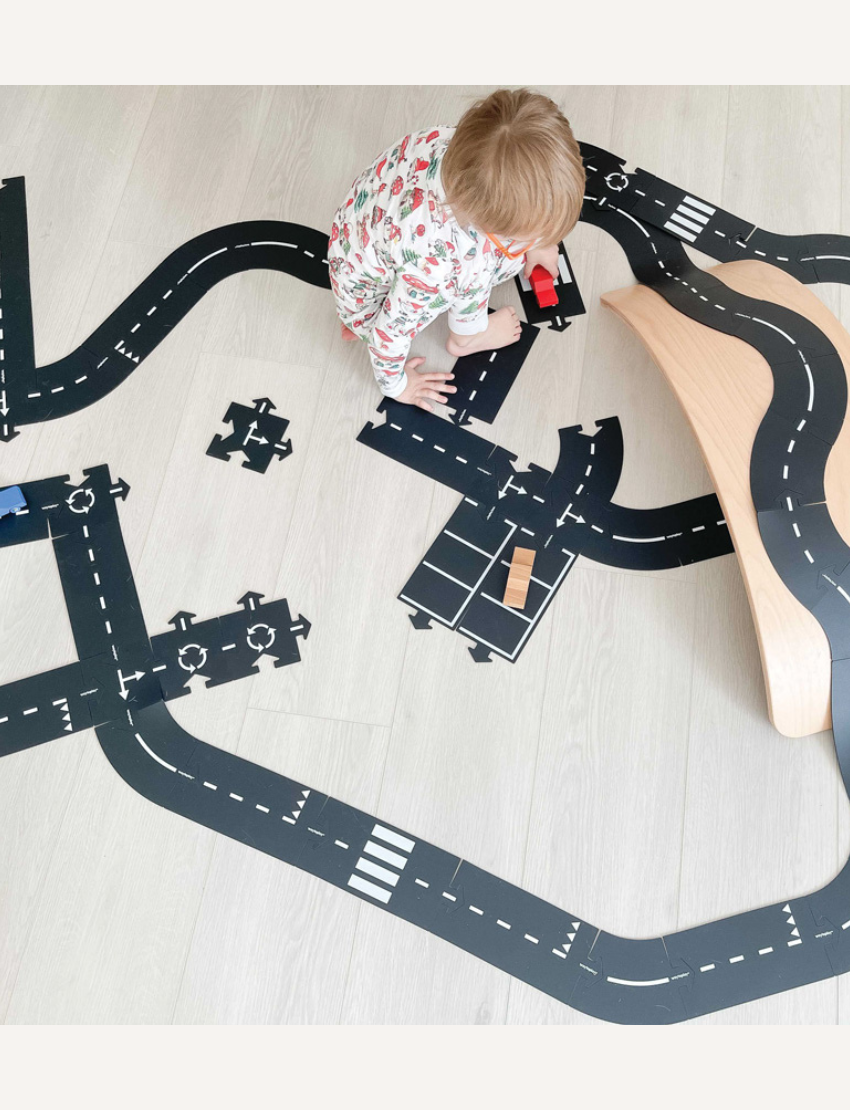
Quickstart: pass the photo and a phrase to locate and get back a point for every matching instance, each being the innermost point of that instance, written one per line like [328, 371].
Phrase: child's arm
[414, 301]
[547, 257]
[421, 389]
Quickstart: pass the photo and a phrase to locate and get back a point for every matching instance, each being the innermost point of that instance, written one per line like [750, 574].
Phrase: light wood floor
[624, 768]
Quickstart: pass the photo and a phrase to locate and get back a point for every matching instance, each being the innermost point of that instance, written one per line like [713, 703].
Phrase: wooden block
[519, 577]
[724, 386]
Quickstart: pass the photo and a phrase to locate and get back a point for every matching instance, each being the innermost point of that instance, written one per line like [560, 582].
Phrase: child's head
[513, 168]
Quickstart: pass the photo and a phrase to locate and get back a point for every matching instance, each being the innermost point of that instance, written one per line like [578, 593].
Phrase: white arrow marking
[566, 513]
[190, 667]
[122, 678]
[89, 494]
[260, 647]
[252, 427]
[510, 485]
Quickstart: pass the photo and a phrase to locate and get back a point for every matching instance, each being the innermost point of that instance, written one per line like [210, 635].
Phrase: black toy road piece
[119, 668]
[227, 647]
[257, 433]
[460, 581]
[657, 980]
[484, 379]
[30, 394]
[557, 316]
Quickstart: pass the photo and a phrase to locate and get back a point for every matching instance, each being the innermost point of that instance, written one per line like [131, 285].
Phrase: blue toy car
[11, 500]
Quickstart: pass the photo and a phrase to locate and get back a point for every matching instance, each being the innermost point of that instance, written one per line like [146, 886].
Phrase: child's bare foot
[346, 333]
[503, 328]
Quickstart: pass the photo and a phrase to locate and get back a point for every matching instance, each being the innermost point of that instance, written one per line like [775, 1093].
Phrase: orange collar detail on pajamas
[514, 248]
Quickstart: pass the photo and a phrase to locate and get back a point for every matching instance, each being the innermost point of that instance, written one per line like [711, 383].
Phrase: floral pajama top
[398, 258]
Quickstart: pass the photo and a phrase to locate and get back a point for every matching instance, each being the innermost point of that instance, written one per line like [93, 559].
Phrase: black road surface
[656, 981]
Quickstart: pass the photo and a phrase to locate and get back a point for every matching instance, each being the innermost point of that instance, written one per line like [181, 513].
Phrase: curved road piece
[791, 447]
[707, 227]
[29, 395]
[660, 980]
[151, 311]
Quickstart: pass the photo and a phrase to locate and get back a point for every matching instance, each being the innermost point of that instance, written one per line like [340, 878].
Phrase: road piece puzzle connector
[257, 433]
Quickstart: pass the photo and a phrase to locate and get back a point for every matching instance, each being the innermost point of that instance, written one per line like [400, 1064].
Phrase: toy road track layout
[123, 677]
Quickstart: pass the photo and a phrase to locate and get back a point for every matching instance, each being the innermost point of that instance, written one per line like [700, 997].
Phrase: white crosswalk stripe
[689, 219]
[395, 858]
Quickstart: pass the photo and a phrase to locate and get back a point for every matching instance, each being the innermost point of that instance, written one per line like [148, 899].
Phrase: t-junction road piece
[657, 980]
[119, 668]
[568, 512]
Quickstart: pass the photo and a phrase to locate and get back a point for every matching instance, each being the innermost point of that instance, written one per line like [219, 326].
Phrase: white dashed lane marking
[755, 319]
[120, 346]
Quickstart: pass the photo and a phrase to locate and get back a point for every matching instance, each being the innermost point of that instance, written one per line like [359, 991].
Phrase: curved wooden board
[724, 387]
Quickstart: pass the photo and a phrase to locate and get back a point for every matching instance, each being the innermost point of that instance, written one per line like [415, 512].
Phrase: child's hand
[422, 388]
[547, 257]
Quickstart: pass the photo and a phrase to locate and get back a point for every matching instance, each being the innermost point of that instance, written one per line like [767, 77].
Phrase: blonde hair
[513, 167]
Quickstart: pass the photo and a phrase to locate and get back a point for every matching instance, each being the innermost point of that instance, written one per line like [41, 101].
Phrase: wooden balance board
[725, 386]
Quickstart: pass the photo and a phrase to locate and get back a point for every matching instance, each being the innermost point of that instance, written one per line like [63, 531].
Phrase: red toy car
[543, 285]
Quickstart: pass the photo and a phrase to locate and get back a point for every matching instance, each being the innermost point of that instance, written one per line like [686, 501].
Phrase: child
[439, 219]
